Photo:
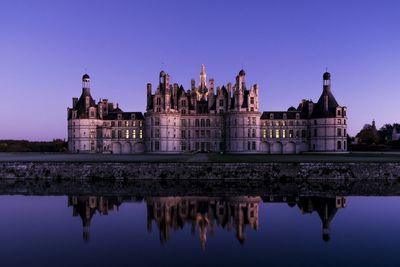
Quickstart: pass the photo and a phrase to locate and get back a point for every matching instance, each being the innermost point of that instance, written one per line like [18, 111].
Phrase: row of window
[127, 123]
[284, 123]
[127, 134]
[187, 134]
[278, 133]
[283, 133]
[188, 122]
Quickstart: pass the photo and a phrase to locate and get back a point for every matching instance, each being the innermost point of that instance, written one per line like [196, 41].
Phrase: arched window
[339, 145]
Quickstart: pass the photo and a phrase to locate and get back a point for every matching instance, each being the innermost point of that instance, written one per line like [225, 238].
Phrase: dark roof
[326, 76]
[319, 110]
[125, 116]
[116, 110]
[85, 76]
[304, 108]
[292, 108]
[80, 105]
[242, 72]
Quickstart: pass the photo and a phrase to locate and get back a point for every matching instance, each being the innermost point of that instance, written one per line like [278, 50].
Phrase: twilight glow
[284, 46]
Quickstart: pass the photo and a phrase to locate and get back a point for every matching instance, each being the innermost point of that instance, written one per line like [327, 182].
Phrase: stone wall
[197, 171]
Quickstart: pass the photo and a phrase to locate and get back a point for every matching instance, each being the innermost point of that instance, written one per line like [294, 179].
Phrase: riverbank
[198, 170]
[352, 166]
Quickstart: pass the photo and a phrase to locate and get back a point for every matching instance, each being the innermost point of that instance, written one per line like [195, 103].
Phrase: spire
[203, 76]
[203, 70]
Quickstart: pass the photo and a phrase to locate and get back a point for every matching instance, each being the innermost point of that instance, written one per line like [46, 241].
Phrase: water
[199, 231]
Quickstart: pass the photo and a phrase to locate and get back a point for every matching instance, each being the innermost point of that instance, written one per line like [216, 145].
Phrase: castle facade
[206, 118]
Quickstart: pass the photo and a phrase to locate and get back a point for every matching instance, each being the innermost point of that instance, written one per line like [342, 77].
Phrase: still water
[199, 231]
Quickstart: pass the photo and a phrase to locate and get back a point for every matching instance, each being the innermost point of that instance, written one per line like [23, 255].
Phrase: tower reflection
[205, 214]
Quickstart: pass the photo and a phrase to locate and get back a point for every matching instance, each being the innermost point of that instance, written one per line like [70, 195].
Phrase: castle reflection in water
[204, 214]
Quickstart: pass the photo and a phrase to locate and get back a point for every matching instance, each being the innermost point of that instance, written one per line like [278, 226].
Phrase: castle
[206, 118]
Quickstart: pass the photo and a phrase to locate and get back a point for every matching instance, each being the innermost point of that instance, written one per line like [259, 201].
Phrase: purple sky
[284, 46]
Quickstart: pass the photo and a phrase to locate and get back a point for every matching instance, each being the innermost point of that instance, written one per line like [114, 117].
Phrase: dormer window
[132, 116]
[119, 116]
[271, 116]
[297, 116]
[284, 116]
[339, 112]
[252, 100]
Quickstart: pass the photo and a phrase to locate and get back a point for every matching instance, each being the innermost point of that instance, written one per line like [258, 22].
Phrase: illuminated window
[126, 134]
[284, 133]
[270, 133]
[290, 133]
[126, 123]
[265, 133]
[140, 134]
[134, 134]
[277, 133]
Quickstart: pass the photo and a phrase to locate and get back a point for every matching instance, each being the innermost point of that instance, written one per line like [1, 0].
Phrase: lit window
[140, 134]
[126, 134]
[284, 133]
[265, 133]
[134, 134]
[277, 133]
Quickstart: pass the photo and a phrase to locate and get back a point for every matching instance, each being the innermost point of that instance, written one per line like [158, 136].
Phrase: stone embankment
[197, 171]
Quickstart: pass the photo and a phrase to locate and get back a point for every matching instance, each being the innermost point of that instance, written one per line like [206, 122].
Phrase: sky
[284, 46]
